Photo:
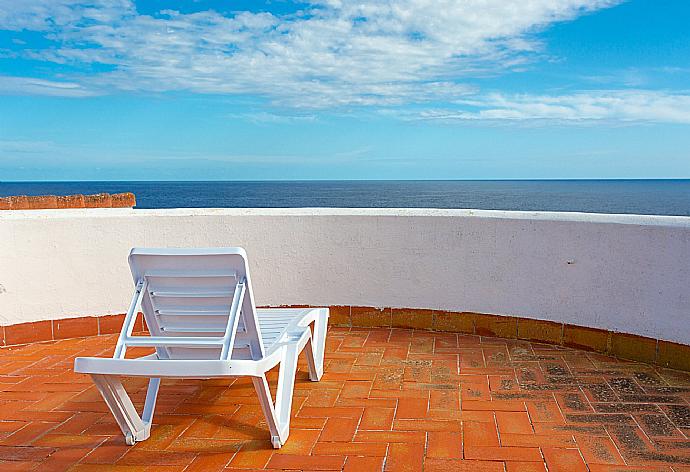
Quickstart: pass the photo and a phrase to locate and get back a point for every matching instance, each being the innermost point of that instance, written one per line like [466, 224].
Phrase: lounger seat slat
[210, 294]
[192, 329]
[173, 341]
[199, 312]
[167, 274]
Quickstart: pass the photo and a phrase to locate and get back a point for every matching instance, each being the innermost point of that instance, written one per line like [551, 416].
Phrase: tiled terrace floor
[390, 399]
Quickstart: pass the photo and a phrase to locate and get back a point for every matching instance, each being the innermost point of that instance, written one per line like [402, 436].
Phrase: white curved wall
[627, 273]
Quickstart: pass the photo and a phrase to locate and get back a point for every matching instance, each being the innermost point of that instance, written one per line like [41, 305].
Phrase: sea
[645, 197]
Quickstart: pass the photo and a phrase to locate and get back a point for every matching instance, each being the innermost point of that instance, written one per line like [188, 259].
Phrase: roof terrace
[390, 399]
[510, 341]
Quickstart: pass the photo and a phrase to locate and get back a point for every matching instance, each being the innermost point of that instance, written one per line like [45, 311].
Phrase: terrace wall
[621, 273]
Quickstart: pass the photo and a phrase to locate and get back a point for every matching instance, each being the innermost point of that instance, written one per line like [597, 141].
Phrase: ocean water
[660, 197]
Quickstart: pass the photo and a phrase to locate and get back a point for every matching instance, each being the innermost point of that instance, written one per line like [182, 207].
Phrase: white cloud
[32, 86]
[335, 53]
[266, 117]
[584, 107]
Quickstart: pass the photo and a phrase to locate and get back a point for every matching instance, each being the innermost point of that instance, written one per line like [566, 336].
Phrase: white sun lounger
[199, 308]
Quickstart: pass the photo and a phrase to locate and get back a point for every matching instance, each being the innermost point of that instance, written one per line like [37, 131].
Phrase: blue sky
[331, 89]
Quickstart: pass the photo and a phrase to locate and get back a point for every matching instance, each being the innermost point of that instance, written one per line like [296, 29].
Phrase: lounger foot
[277, 444]
[132, 438]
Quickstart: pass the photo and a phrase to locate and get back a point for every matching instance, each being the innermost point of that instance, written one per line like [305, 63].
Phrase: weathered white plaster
[622, 272]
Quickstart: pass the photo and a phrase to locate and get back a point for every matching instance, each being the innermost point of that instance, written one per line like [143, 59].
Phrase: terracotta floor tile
[356, 389]
[444, 400]
[209, 463]
[479, 434]
[525, 467]
[362, 464]
[598, 450]
[144, 457]
[503, 383]
[563, 460]
[573, 402]
[444, 445]
[474, 387]
[634, 468]
[108, 452]
[544, 412]
[339, 429]
[376, 418]
[536, 440]
[405, 457]
[426, 425]
[300, 441]
[205, 446]
[390, 436]
[350, 449]
[495, 405]
[322, 397]
[333, 412]
[479, 416]
[13, 466]
[18, 453]
[493, 453]
[445, 465]
[410, 408]
[68, 440]
[79, 423]
[513, 422]
[280, 461]
[28, 434]
[253, 454]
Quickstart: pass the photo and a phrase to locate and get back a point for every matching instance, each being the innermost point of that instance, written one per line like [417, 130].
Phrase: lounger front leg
[120, 405]
[151, 397]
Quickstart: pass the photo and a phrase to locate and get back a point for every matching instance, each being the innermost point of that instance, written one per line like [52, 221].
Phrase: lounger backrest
[189, 293]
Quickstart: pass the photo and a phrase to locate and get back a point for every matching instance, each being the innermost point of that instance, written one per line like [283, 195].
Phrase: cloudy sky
[338, 89]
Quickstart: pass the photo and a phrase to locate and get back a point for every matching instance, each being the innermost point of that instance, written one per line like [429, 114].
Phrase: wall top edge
[655, 220]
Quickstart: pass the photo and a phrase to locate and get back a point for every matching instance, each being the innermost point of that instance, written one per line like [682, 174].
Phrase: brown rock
[99, 200]
[123, 200]
[71, 201]
[19, 202]
[42, 202]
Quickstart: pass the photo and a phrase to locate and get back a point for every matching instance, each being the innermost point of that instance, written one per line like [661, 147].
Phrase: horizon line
[584, 179]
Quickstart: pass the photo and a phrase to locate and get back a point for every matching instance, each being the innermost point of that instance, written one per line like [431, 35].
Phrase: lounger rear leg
[278, 416]
[311, 361]
[266, 402]
[132, 426]
[316, 347]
